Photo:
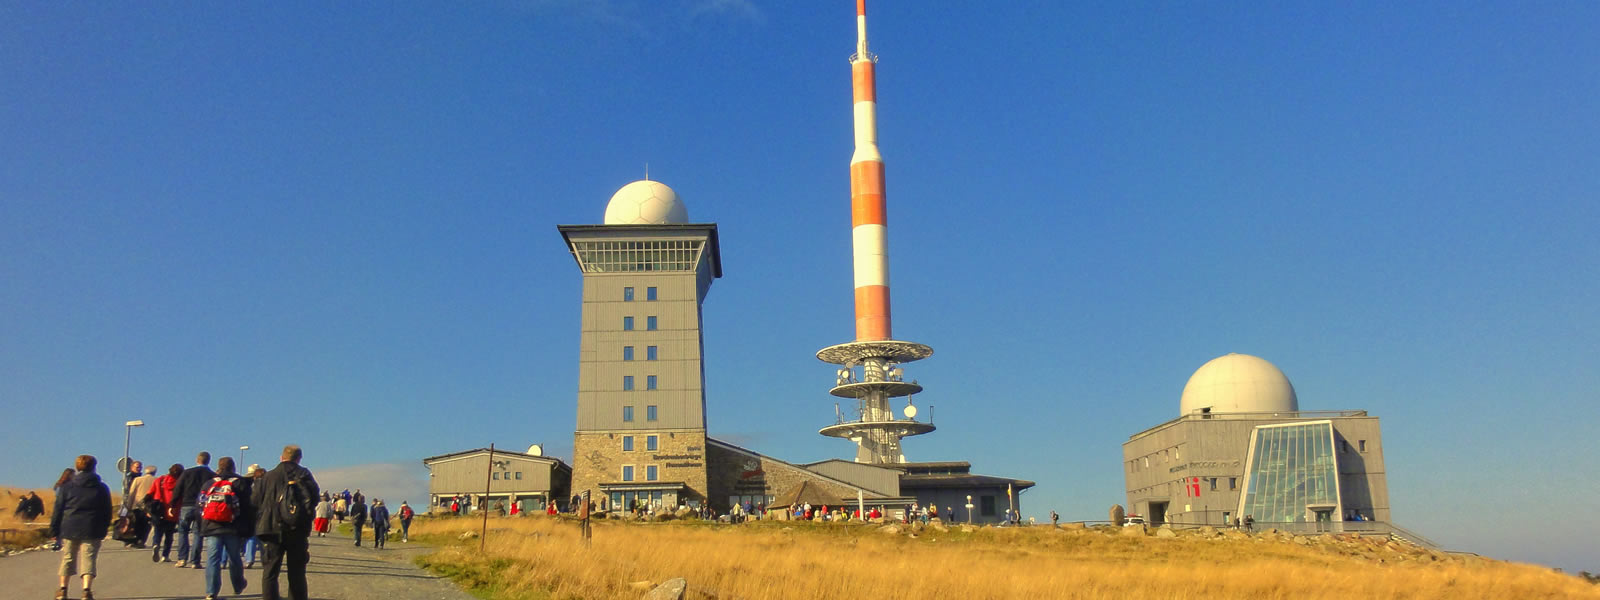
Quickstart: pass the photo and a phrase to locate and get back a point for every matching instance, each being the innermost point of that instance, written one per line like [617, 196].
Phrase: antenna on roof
[647, 171]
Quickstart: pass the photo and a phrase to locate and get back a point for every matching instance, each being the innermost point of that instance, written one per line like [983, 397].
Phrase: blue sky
[335, 225]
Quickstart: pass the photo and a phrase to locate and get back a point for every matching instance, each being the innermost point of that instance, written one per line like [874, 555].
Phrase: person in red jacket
[165, 519]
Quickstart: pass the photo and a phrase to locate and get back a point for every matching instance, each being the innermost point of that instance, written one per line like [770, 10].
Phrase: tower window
[649, 352]
[627, 323]
[650, 412]
[627, 353]
[627, 294]
[650, 473]
[650, 323]
[627, 414]
[1213, 482]
[627, 443]
[1361, 445]
[649, 382]
[1233, 483]
[650, 293]
[627, 383]
[650, 442]
[627, 472]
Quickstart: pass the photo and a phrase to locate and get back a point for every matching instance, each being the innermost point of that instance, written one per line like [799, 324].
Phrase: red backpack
[221, 505]
[405, 512]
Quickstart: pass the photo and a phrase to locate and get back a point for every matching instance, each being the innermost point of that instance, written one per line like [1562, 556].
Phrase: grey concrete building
[1242, 447]
[641, 426]
[531, 479]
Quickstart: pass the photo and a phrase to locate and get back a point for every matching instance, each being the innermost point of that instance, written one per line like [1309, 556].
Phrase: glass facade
[663, 255]
[1293, 474]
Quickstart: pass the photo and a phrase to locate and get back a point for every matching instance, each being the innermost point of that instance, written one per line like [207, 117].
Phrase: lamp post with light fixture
[127, 441]
[241, 454]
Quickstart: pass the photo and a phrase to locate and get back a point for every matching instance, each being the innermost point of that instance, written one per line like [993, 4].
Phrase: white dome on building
[1238, 383]
[646, 202]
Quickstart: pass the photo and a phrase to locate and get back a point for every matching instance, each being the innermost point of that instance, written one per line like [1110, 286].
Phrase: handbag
[124, 529]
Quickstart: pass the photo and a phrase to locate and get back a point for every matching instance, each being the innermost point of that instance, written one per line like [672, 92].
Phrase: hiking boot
[61, 594]
[88, 595]
[182, 563]
[155, 556]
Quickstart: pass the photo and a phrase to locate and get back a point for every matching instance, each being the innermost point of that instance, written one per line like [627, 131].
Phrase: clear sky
[334, 224]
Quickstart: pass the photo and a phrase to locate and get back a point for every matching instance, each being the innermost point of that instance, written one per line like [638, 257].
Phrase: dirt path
[338, 571]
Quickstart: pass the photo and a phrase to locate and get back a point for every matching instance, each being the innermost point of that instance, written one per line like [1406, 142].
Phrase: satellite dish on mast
[911, 411]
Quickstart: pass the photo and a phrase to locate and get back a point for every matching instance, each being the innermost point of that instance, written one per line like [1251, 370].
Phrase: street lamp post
[969, 510]
[241, 454]
[127, 441]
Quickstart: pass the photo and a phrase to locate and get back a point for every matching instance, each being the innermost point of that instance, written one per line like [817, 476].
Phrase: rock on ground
[671, 589]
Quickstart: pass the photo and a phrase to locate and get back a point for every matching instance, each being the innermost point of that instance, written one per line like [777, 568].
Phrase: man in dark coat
[191, 483]
[358, 516]
[81, 517]
[283, 535]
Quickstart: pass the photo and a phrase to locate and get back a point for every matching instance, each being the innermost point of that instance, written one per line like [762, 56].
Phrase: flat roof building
[512, 477]
[1242, 447]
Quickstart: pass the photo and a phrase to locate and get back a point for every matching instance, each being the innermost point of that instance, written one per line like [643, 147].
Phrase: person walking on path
[166, 515]
[284, 533]
[252, 544]
[31, 507]
[186, 497]
[406, 514]
[137, 494]
[81, 517]
[358, 517]
[380, 524]
[340, 507]
[226, 518]
[324, 515]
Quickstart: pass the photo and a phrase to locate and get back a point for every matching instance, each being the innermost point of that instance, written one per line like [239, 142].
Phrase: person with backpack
[186, 497]
[380, 524]
[284, 500]
[358, 516]
[81, 517]
[406, 514]
[226, 519]
[163, 514]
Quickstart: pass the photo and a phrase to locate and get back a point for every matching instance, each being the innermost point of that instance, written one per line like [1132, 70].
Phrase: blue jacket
[380, 517]
[83, 509]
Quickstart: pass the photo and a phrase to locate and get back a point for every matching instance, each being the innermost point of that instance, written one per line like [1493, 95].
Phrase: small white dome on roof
[1236, 383]
[646, 202]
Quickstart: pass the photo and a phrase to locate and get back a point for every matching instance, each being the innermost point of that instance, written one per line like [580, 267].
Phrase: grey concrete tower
[641, 423]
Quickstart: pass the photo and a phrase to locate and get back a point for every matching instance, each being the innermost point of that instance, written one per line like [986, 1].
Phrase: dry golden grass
[540, 557]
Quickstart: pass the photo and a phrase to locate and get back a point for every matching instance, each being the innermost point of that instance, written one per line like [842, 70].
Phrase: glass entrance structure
[1292, 474]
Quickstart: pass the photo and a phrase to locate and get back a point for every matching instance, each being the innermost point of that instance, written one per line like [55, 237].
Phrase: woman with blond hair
[81, 517]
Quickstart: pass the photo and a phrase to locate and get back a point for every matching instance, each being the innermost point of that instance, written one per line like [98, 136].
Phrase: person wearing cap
[141, 487]
[252, 544]
[405, 521]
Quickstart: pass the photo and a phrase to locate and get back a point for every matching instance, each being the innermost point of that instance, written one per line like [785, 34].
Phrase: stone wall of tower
[598, 458]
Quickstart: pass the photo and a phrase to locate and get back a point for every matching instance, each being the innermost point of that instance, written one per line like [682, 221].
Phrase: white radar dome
[646, 203]
[1236, 383]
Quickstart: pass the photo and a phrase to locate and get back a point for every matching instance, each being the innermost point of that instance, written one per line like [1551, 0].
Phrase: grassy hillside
[539, 557]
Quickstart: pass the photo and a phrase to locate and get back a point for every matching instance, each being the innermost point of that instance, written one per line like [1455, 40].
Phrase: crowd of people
[219, 519]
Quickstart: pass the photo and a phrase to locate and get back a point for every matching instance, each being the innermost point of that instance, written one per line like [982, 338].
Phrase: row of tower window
[649, 323]
[649, 384]
[651, 443]
[649, 353]
[649, 411]
[649, 473]
[649, 294]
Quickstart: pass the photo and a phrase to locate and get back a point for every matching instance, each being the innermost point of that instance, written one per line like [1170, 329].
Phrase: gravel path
[338, 571]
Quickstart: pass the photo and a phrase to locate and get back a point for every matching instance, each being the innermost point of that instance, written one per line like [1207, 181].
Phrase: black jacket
[83, 509]
[244, 519]
[193, 481]
[264, 497]
[358, 513]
